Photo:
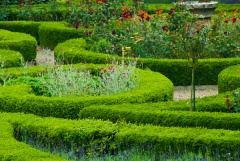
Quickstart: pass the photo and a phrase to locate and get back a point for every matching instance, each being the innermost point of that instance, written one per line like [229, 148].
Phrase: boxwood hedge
[153, 87]
[9, 58]
[229, 79]
[23, 43]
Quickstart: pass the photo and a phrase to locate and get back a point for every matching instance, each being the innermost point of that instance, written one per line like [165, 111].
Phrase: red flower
[114, 32]
[76, 26]
[89, 3]
[197, 31]
[148, 18]
[233, 19]
[171, 11]
[99, 1]
[90, 33]
[126, 14]
[142, 16]
[226, 20]
[165, 28]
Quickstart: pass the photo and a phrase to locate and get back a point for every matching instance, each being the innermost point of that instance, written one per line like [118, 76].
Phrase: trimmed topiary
[229, 79]
[23, 43]
[28, 27]
[53, 33]
[9, 58]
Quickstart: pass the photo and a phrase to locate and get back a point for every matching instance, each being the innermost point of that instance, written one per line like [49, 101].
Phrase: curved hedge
[157, 115]
[53, 33]
[229, 79]
[116, 135]
[177, 70]
[153, 87]
[23, 43]
[10, 58]
[28, 27]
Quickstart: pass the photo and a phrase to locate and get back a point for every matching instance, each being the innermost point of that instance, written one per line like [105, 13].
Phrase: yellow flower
[127, 48]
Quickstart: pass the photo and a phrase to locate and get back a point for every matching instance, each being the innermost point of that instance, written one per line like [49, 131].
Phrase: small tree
[193, 33]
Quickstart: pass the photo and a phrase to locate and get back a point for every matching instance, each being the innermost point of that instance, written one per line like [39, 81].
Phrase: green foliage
[161, 138]
[206, 72]
[165, 114]
[10, 59]
[36, 85]
[87, 134]
[11, 149]
[74, 82]
[101, 46]
[53, 33]
[94, 135]
[153, 87]
[28, 27]
[229, 79]
[233, 101]
[23, 43]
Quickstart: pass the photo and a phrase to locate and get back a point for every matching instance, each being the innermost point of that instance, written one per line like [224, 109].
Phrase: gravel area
[184, 92]
[46, 57]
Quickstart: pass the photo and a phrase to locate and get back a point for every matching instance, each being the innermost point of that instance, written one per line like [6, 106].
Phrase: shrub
[10, 59]
[23, 43]
[153, 87]
[229, 79]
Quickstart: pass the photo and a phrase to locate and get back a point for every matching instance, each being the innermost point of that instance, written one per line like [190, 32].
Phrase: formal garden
[104, 87]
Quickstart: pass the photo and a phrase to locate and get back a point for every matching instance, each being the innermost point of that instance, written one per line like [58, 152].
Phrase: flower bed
[153, 87]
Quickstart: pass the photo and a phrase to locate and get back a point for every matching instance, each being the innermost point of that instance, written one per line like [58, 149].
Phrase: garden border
[21, 42]
[153, 87]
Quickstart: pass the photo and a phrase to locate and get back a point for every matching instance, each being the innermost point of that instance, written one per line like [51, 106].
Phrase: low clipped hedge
[11, 149]
[153, 87]
[53, 33]
[23, 43]
[47, 34]
[177, 70]
[9, 58]
[158, 114]
[83, 133]
[120, 136]
[28, 27]
[229, 79]
[176, 138]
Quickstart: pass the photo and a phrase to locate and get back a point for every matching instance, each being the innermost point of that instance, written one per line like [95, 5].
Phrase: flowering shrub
[171, 36]
[58, 81]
